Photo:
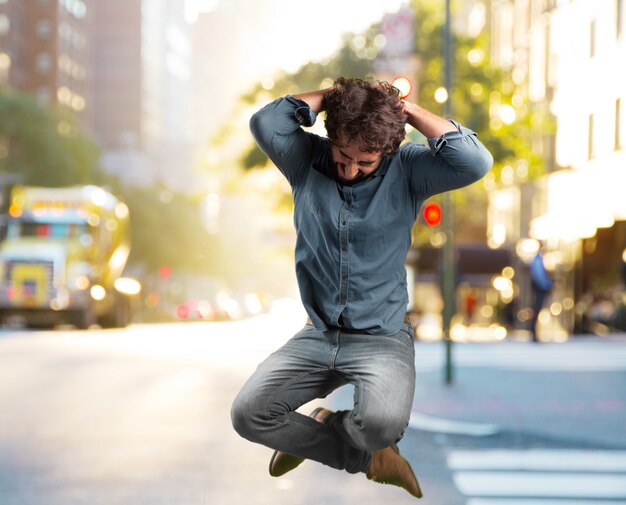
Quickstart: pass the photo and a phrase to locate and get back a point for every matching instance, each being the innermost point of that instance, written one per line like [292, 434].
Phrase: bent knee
[245, 416]
[380, 432]
[238, 417]
[250, 416]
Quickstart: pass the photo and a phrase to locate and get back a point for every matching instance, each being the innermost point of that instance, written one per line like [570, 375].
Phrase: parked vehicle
[63, 257]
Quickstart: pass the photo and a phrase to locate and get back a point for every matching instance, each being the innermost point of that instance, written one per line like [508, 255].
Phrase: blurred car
[196, 310]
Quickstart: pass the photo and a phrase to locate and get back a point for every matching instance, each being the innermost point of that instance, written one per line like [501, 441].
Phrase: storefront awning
[471, 259]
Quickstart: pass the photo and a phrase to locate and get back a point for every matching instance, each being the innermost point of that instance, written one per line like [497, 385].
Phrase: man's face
[352, 164]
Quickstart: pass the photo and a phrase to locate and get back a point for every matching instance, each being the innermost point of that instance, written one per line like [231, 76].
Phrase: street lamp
[448, 270]
[441, 95]
[403, 85]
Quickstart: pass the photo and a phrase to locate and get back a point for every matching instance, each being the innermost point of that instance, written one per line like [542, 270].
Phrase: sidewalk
[575, 390]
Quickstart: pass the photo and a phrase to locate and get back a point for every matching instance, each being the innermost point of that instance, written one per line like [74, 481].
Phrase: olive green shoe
[283, 462]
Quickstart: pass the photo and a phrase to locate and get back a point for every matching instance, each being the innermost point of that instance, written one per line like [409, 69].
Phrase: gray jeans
[312, 365]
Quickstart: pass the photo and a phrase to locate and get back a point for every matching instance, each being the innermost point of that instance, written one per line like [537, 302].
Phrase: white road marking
[540, 476]
[558, 485]
[442, 425]
[537, 501]
[539, 460]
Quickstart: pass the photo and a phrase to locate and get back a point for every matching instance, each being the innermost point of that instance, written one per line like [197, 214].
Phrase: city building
[563, 57]
[45, 50]
[141, 83]
[124, 68]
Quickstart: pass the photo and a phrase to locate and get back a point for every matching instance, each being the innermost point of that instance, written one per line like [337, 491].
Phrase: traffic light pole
[448, 267]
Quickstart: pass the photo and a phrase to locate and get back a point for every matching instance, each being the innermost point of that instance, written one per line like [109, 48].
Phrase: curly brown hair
[366, 112]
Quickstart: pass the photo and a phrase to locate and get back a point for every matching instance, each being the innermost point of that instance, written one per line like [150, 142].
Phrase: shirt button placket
[343, 243]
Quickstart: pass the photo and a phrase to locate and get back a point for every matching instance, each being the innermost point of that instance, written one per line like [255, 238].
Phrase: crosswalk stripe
[539, 459]
[537, 501]
[441, 425]
[558, 485]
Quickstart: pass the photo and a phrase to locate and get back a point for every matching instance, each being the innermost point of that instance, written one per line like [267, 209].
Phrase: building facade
[122, 66]
[564, 56]
[141, 81]
[45, 50]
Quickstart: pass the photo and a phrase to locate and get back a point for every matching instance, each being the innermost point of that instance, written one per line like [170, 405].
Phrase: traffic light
[432, 214]
[403, 85]
[165, 271]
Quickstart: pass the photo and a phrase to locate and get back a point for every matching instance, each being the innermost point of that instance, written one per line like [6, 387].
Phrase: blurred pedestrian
[357, 195]
[506, 312]
[470, 299]
[542, 285]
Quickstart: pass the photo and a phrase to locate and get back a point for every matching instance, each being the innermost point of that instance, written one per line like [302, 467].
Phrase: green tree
[479, 92]
[485, 99]
[166, 229]
[44, 146]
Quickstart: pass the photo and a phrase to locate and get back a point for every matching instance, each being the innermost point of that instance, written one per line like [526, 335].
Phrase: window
[77, 8]
[592, 39]
[5, 67]
[44, 95]
[590, 138]
[44, 29]
[43, 63]
[51, 230]
[5, 24]
[618, 124]
[549, 5]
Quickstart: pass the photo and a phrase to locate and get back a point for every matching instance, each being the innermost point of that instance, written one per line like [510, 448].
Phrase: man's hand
[428, 124]
[314, 99]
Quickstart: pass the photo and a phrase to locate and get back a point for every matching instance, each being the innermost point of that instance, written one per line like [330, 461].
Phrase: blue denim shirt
[352, 241]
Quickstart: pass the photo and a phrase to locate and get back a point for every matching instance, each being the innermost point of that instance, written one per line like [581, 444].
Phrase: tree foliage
[45, 147]
[166, 229]
[480, 92]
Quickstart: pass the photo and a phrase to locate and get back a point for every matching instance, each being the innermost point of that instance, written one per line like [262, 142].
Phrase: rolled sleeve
[276, 117]
[463, 151]
[451, 161]
[277, 130]
[304, 114]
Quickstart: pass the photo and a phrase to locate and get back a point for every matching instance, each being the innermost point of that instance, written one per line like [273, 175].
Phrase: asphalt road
[141, 417]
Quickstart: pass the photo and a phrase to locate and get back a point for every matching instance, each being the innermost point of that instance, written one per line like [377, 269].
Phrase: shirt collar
[384, 166]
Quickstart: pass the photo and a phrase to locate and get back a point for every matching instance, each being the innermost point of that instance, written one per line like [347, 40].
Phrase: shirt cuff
[303, 113]
[438, 143]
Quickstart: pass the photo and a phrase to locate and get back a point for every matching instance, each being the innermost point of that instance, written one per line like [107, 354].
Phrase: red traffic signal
[165, 271]
[432, 214]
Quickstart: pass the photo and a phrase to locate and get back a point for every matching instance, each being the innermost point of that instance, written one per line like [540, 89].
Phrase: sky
[287, 33]
[251, 41]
